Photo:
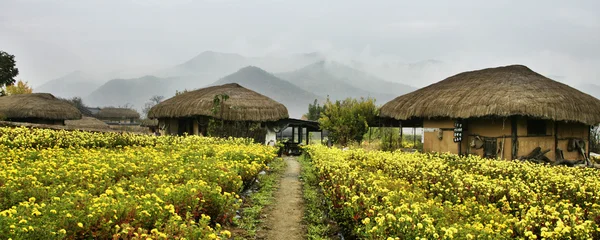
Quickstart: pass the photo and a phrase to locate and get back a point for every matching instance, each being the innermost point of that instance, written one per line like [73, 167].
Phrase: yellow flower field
[383, 195]
[78, 185]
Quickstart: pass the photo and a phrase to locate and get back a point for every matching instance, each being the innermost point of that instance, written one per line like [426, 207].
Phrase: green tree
[314, 111]
[8, 71]
[348, 120]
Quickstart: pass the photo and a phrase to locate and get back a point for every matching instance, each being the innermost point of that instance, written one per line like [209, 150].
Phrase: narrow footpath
[285, 219]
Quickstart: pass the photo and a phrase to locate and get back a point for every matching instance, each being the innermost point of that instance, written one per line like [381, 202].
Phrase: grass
[254, 204]
[315, 211]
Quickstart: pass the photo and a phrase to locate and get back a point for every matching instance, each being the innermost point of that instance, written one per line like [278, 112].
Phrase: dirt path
[285, 219]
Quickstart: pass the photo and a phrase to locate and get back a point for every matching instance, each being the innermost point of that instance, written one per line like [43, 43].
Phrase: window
[536, 127]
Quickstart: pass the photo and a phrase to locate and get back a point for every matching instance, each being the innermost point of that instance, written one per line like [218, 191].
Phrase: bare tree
[156, 99]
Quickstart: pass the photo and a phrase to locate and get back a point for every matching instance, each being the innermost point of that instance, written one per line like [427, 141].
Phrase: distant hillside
[208, 66]
[136, 91]
[75, 84]
[367, 82]
[294, 98]
[339, 82]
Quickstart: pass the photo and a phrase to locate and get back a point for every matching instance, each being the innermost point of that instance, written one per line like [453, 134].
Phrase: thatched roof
[504, 91]
[149, 122]
[243, 105]
[87, 123]
[122, 113]
[37, 105]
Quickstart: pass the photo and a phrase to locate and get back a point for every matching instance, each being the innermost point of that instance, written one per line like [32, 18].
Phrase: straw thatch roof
[504, 91]
[149, 122]
[243, 105]
[122, 113]
[87, 123]
[37, 105]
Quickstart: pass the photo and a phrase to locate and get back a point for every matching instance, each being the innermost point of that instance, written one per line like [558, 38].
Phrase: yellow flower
[80, 225]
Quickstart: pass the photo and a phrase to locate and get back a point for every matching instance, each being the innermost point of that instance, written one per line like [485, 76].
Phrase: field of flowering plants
[379, 195]
[78, 185]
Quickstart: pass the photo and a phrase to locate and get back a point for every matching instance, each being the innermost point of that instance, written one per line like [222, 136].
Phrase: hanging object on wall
[476, 142]
[458, 131]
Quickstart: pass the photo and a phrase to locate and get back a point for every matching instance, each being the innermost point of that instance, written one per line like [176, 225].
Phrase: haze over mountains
[299, 80]
[294, 80]
[338, 81]
[75, 84]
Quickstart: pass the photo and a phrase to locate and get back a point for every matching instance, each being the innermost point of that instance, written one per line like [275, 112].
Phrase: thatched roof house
[497, 103]
[120, 113]
[114, 115]
[188, 112]
[243, 105]
[87, 123]
[41, 108]
[503, 91]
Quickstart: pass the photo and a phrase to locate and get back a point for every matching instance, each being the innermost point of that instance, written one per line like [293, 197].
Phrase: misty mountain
[367, 82]
[417, 74]
[293, 97]
[286, 63]
[591, 89]
[207, 63]
[209, 66]
[75, 84]
[317, 79]
[136, 91]
[339, 81]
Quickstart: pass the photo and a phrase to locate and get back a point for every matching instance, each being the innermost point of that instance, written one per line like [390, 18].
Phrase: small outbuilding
[87, 123]
[40, 108]
[224, 110]
[118, 116]
[507, 112]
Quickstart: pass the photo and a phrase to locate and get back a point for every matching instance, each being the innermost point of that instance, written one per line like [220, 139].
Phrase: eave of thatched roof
[37, 105]
[122, 113]
[149, 122]
[504, 91]
[87, 123]
[243, 105]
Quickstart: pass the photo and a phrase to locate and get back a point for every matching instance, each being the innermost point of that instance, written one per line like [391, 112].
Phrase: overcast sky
[51, 38]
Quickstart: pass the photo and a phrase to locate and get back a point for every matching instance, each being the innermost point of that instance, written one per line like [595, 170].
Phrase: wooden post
[307, 137]
[415, 138]
[515, 141]
[401, 134]
[321, 136]
[589, 145]
[293, 133]
[555, 140]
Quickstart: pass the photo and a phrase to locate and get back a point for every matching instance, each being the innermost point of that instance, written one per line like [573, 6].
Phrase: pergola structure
[301, 128]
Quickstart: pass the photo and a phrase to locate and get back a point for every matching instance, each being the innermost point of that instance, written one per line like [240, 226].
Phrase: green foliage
[219, 103]
[8, 71]
[315, 210]
[314, 111]
[77, 102]
[389, 139]
[261, 197]
[348, 120]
